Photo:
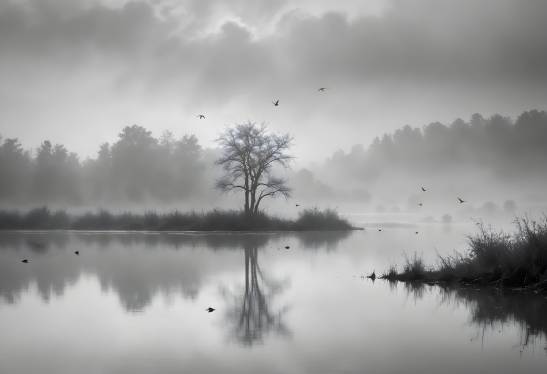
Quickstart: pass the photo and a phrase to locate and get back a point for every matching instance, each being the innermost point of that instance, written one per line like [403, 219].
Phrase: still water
[135, 303]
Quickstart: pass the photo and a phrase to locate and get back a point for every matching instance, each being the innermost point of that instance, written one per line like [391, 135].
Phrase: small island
[216, 220]
[249, 153]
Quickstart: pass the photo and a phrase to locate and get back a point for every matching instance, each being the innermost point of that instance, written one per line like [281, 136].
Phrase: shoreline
[179, 231]
[479, 284]
[494, 259]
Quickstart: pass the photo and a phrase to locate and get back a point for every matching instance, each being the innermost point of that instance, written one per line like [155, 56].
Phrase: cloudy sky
[76, 72]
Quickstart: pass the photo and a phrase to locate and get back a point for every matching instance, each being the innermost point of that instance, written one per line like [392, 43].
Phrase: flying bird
[287, 247]
[322, 89]
[416, 232]
[420, 204]
[373, 275]
[276, 103]
[201, 116]
[210, 310]
[25, 261]
[379, 229]
[297, 204]
[423, 189]
[77, 253]
[461, 200]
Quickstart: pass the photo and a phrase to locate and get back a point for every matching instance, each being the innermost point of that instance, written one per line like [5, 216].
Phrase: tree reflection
[251, 315]
[138, 266]
[492, 308]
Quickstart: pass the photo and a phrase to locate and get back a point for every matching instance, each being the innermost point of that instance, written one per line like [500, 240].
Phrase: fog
[497, 165]
[100, 103]
[273, 186]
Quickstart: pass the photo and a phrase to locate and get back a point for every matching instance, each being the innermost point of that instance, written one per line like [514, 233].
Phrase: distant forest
[137, 167]
[141, 168]
[497, 146]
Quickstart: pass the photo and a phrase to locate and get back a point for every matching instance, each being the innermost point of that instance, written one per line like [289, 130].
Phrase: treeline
[497, 144]
[137, 167]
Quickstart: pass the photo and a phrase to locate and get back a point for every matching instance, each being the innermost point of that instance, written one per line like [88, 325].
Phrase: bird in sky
[416, 232]
[461, 200]
[322, 89]
[420, 204]
[423, 189]
[287, 247]
[373, 275]
[379, 229]
[297, 204]
[77, 253]
[25, 261]
[276, 102]
[201, 116]
[210, 310]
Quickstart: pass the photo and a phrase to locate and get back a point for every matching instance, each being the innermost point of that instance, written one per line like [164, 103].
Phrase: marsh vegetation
[216, 220]
[496, 259]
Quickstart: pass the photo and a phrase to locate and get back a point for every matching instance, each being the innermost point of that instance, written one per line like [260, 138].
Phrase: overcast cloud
[77, 72]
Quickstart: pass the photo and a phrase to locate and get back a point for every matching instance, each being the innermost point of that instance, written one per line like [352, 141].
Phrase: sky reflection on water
[135, 302]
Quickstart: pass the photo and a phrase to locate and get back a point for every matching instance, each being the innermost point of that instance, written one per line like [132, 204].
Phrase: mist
[496, 164]
[273, 186]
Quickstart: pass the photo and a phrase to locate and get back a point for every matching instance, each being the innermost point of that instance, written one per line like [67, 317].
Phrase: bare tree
[249, 154]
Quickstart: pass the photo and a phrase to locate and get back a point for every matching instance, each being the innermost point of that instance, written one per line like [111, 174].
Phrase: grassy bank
[216, 220]
[495, 259]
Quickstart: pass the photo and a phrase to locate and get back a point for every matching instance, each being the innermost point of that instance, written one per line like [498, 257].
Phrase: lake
[136, 303]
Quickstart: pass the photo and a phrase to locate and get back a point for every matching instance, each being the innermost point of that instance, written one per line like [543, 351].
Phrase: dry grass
[496, 258]
[216, 220]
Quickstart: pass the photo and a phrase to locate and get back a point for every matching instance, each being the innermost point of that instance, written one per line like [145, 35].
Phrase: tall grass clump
[315, 219]
[414, 268]
[493, 258]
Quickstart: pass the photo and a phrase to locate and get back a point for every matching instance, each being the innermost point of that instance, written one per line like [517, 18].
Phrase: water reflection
[262, 293]
[250, 315]
[136, 266]
[493, 309]
[40, 242]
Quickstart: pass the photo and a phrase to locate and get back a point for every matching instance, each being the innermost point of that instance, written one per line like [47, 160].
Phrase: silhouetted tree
[15, 170]
[139, 167]
[249, 154]
[57, 174]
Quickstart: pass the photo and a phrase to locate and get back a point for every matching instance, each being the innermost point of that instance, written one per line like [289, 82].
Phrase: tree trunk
[247, 207]
[253, 200]
[246, 202]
